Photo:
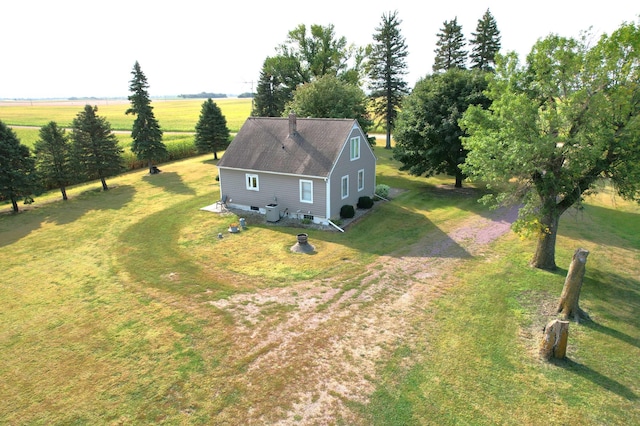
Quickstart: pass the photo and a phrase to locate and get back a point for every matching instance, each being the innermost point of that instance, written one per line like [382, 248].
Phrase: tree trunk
[388, 144]
[215, 155]
[568, 305]
[150, 167]
[458, 180]
[545, 255]
[14, 204]
[104, 184]
[63, 190]
[554, 340]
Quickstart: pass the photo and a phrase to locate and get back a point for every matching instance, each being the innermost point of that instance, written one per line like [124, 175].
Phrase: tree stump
[568, 304]
[554, 340]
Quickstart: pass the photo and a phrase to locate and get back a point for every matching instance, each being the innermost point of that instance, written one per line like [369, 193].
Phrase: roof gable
[306, 146]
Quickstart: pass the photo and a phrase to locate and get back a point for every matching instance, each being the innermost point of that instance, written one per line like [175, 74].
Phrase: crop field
[125, 307]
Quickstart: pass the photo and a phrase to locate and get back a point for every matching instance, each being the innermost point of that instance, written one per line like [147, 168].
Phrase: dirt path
[324, 349]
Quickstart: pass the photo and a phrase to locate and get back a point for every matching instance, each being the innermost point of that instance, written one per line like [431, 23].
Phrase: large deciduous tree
[212, 133]
[53, 157]
[17, 168]
[428, 137]
[485, 43]
[450, 51]
[330, 97]
[146, 134]
[567, 119]
[95, 147]
[387, 66]
[306, 55]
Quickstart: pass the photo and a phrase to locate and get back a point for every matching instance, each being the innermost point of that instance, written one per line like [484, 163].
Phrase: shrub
[347, 211]
[365, 202]
[382, 190]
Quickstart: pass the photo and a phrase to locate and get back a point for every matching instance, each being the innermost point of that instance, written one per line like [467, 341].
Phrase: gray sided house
[297, 167]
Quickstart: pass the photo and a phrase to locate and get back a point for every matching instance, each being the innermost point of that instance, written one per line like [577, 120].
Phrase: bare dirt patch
[327, 338]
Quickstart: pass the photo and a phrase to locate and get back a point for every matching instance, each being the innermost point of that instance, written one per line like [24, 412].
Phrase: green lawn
[106, 314]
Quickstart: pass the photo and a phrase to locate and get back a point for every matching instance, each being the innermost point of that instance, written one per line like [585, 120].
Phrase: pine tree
[450, 51]
[270, 96]
[387, 66]
[53, 157]
[146, 134]
[485, 43]
[95, 147]
[212, 133]
[17, 168]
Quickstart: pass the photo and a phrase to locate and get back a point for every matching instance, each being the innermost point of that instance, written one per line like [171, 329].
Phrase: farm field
[123, 307]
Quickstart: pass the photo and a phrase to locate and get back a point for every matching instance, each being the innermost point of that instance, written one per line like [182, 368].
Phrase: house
[306, 168]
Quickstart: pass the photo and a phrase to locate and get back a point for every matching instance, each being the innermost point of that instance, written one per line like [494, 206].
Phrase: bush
[382, 190]
[365, 202]
[347, 211]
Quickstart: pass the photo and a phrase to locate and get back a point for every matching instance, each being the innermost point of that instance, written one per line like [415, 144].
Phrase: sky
[79, 48]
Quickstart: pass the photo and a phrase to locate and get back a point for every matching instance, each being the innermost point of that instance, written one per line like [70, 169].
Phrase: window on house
[355, 148]
[345, 187]
[306, 191]
[252, 182]
[360, 180]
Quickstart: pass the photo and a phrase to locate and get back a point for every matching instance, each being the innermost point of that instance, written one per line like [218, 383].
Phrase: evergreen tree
[212, 133]
[95, 148]
[53, 157]
[271, 94]
[17, 169]
[387, 66]
[485, 43]
[450, 51]
[146, 134]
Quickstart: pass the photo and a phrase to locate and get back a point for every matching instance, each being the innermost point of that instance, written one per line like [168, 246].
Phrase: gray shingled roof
[264, 144]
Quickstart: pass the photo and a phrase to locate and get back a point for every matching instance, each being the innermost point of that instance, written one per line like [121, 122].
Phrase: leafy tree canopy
[330, 97]
[428, 137]
[567, 119]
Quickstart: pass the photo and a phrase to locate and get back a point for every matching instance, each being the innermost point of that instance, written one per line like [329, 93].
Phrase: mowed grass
[104, 316]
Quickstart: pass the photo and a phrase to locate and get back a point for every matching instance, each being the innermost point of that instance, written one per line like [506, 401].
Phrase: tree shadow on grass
[169, 181]
[597, 378]
[62, 212]
[612, 332]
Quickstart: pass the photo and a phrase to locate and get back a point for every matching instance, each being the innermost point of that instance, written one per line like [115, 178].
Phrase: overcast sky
[67, 48]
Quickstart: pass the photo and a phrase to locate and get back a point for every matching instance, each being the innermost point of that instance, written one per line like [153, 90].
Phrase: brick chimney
[292, 124]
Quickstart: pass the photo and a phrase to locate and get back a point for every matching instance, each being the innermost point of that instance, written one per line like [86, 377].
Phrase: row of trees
[91, 150]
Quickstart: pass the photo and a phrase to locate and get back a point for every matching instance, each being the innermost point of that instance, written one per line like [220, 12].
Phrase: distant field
[173, 115]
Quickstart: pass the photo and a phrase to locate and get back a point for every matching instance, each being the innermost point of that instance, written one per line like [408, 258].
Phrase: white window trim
[248, 177]
[354, 141]
[302, 182]
[361, 184]
[342, 187]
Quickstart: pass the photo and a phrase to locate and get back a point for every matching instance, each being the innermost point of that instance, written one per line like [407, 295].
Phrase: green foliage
[53, 158]
[17, 168]
[365, 202]
[347, 211]
[485, 43]
[386, 67]
[450, 51]
[146, 133]
[382, 190]
[95, 148]
[428, 137]
[330, 97]
[557, 125]
[212, 134]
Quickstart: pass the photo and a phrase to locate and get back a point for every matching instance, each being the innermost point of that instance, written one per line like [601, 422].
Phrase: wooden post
[568, 304]
[554, 340]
